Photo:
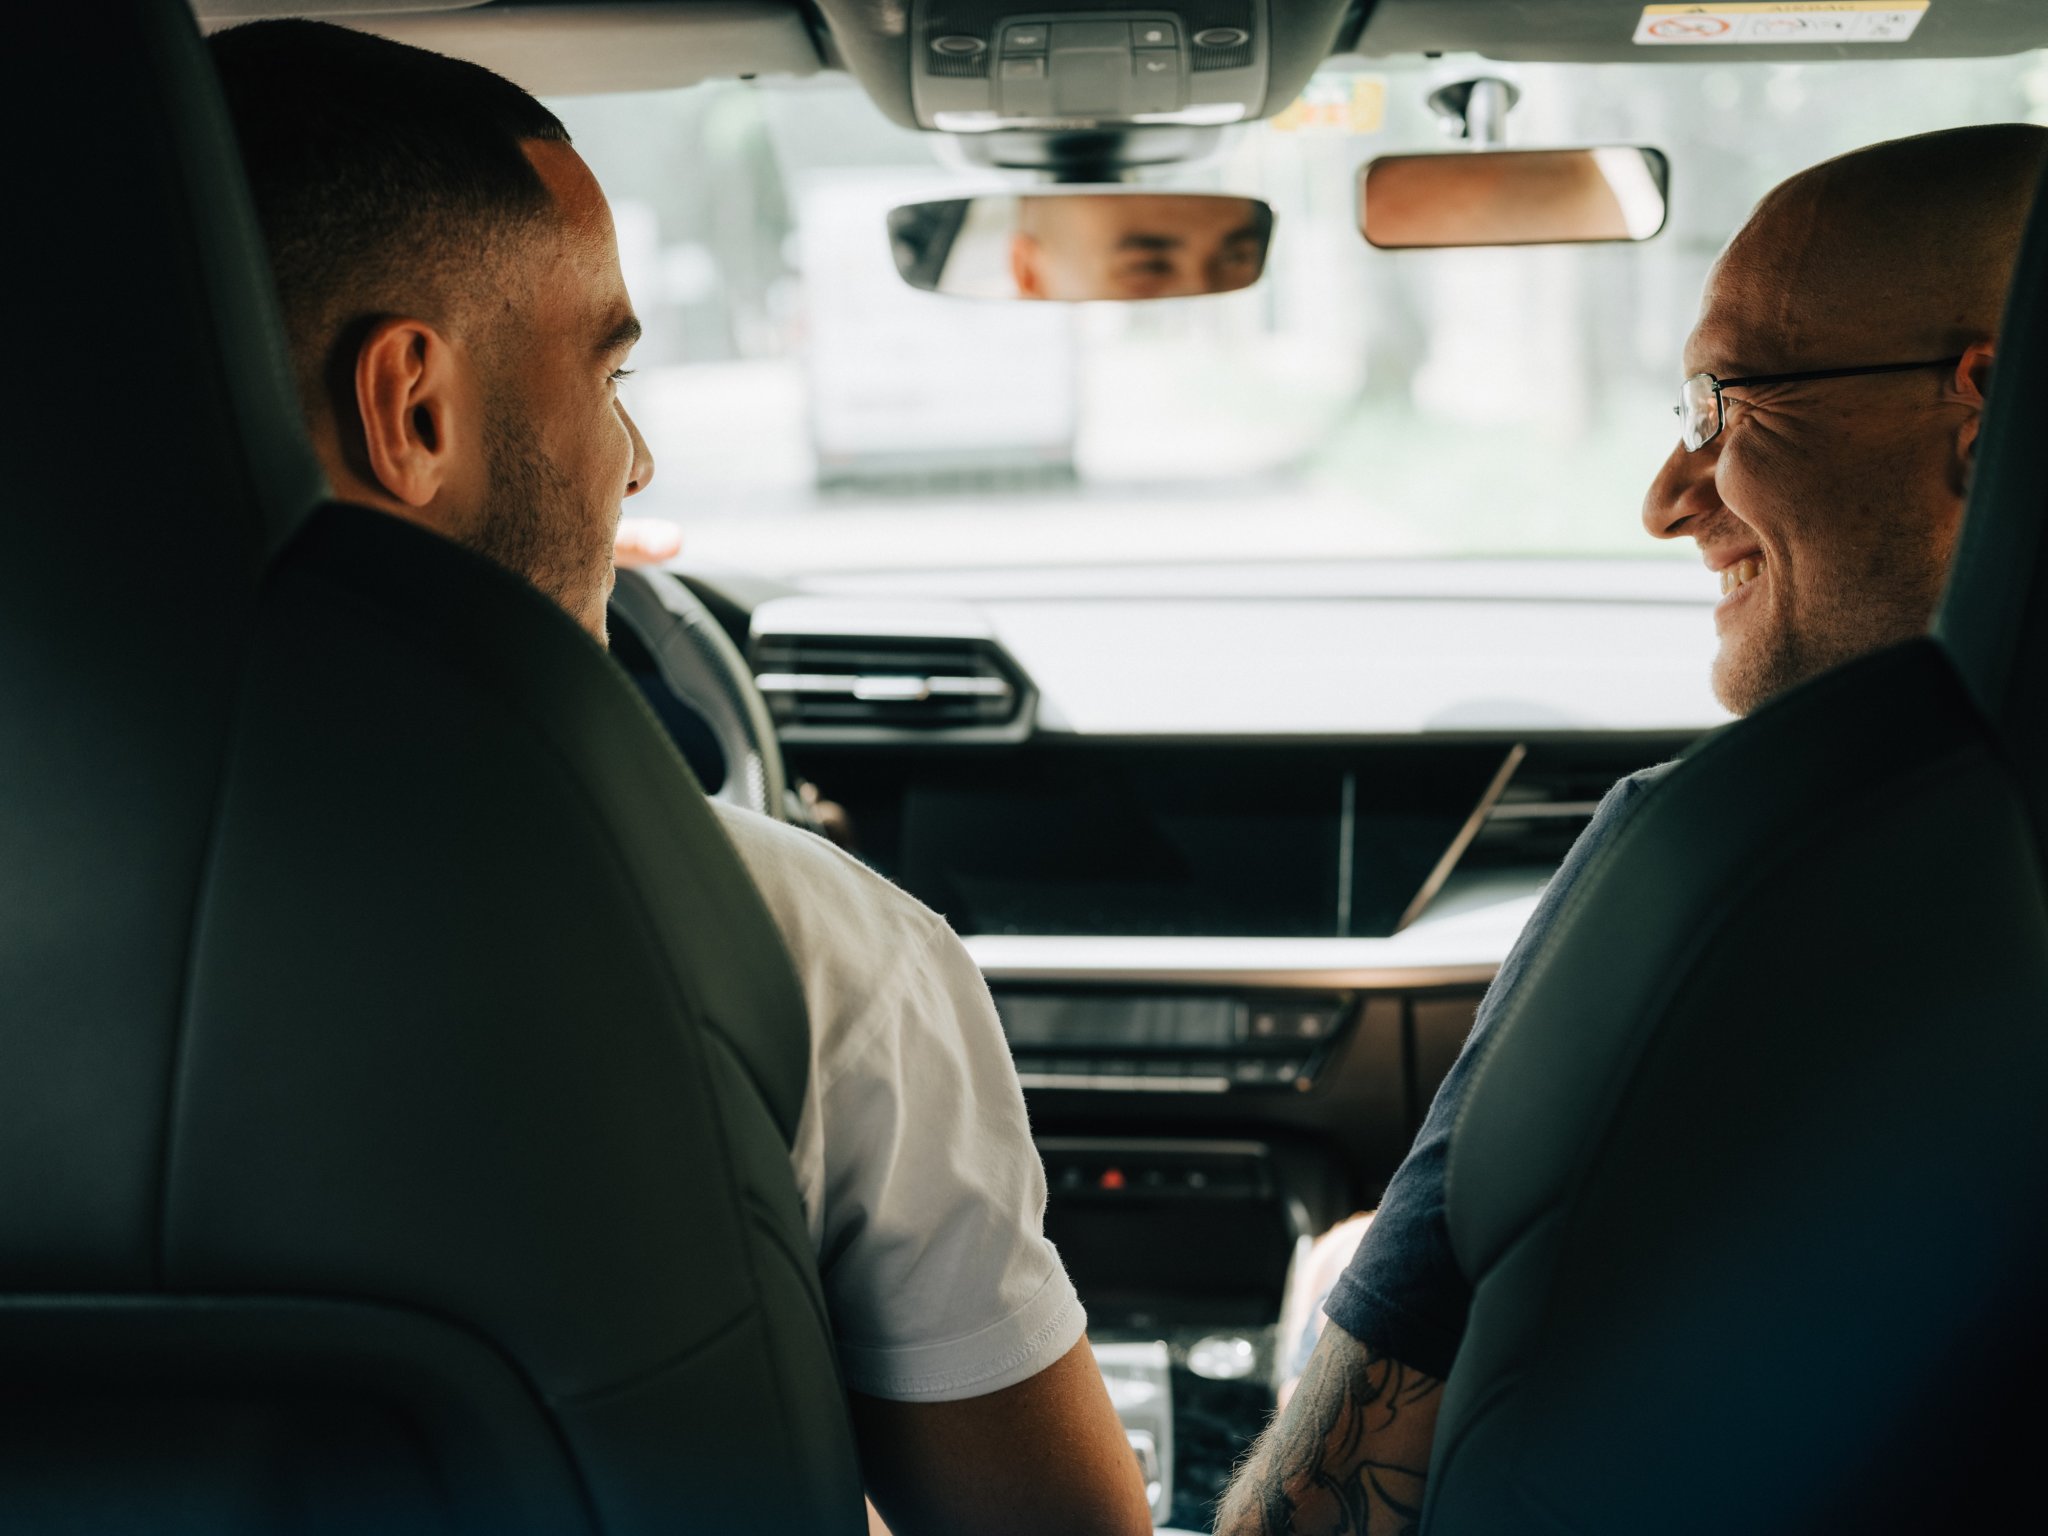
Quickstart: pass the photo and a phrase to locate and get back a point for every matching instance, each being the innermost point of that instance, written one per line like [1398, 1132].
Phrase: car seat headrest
[1994, 616]
[152, 417]
[155, 456]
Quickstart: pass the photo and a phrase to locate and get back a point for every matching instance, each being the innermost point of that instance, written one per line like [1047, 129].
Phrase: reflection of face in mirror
[1136, 245]
[1513, 197]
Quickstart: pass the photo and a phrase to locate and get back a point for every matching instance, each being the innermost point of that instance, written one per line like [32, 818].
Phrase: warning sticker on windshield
[1781, 21]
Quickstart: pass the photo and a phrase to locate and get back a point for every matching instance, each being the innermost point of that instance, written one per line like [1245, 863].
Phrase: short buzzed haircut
[387, 179]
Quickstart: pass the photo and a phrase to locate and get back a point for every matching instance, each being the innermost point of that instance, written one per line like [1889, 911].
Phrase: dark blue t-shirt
[1403, 1294]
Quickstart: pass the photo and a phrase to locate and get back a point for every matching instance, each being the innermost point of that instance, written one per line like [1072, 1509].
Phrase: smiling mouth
[1741, 573]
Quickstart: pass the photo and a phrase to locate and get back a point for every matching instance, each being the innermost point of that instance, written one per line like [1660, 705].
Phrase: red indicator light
[1112, 1178]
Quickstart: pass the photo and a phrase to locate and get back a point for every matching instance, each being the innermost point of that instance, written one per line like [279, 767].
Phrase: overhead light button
[1157, 73]
[1222, 37]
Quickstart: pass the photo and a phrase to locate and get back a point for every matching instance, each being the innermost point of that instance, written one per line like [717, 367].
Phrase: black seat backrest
[1994, 616]
[140, 508]
[397, 1070]
[1751, 1181]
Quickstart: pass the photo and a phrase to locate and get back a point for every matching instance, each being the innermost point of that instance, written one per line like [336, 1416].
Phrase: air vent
[1553, 796]
[1539, 816]
[829, 684]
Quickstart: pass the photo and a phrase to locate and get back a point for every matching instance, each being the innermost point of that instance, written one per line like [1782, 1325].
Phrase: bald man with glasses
[1833, 390]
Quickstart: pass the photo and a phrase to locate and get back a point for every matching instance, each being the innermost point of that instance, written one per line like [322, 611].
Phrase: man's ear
[1024, 267]
[410, 402]
[1968, 386]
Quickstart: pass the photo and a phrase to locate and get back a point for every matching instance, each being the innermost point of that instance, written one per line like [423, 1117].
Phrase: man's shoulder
[829, 906]
[1643, 778]
[1620, 800]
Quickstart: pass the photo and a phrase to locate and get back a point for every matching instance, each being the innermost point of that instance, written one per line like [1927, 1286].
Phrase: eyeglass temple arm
[1834, 373]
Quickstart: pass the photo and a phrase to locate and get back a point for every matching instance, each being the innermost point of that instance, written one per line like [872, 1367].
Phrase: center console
[1181, 1250]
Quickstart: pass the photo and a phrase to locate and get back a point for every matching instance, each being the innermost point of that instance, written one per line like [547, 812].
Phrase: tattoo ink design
[1348, 1457]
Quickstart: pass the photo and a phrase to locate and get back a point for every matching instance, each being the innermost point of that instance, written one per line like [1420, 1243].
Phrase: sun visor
[219, 13]
[1702, 32]
[581, 50]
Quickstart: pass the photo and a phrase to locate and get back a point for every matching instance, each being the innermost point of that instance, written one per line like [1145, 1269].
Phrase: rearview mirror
[1513, 197]
[1071, 246]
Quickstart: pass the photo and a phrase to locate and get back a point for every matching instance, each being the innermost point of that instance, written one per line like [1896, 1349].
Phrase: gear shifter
[1140, 1381]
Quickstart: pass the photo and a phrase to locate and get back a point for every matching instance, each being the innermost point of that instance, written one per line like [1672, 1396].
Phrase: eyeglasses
[1699, 405]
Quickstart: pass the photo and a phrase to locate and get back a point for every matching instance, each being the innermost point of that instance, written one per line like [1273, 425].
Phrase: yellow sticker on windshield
[1781, 21]
[1344, 104]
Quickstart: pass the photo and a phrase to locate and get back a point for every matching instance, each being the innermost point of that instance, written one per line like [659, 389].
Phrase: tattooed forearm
[1347, 1457]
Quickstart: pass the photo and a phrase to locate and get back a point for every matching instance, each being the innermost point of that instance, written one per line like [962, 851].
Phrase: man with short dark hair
[1137, 245]
[1833, 393]
[412, 207]
[459, 324]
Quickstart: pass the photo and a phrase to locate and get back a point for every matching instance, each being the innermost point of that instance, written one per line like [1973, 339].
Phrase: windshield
[809, 413]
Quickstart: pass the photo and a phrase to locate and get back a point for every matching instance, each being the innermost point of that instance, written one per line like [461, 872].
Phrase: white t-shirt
[913, 1157]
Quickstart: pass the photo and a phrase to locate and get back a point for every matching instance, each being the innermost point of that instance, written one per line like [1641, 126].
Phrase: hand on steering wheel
[645, 541]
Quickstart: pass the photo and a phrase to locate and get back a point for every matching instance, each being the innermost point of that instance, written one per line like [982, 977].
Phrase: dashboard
[1238, 853]
[1169, 840]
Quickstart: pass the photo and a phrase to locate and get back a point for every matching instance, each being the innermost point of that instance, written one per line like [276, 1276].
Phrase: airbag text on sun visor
[1780, 21]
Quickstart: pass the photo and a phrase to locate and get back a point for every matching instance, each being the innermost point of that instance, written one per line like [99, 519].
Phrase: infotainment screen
[1158, 840]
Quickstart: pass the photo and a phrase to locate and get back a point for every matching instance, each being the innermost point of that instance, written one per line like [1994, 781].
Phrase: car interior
[1159, 483]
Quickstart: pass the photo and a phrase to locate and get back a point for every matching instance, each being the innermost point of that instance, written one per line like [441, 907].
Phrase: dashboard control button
[1267, 1071]
[1153, 34]
[1030, 38]
[1313, 1024]
[1293, 1023]
[1026, 68]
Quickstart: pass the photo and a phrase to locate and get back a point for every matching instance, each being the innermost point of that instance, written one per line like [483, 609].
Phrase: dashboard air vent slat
[1539, 816]
[823, 682]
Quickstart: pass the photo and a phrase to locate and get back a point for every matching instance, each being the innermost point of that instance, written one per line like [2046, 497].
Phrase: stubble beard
[1875, 594]
[534, 523]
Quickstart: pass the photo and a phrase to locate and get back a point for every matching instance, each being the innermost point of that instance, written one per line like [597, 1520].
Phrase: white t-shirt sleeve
[913, 1157]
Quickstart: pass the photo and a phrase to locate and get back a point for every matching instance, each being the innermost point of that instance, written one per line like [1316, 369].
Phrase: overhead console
[1116, 66]
[978, 66]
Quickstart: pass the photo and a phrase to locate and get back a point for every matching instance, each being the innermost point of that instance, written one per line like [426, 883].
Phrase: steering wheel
[698, 662]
